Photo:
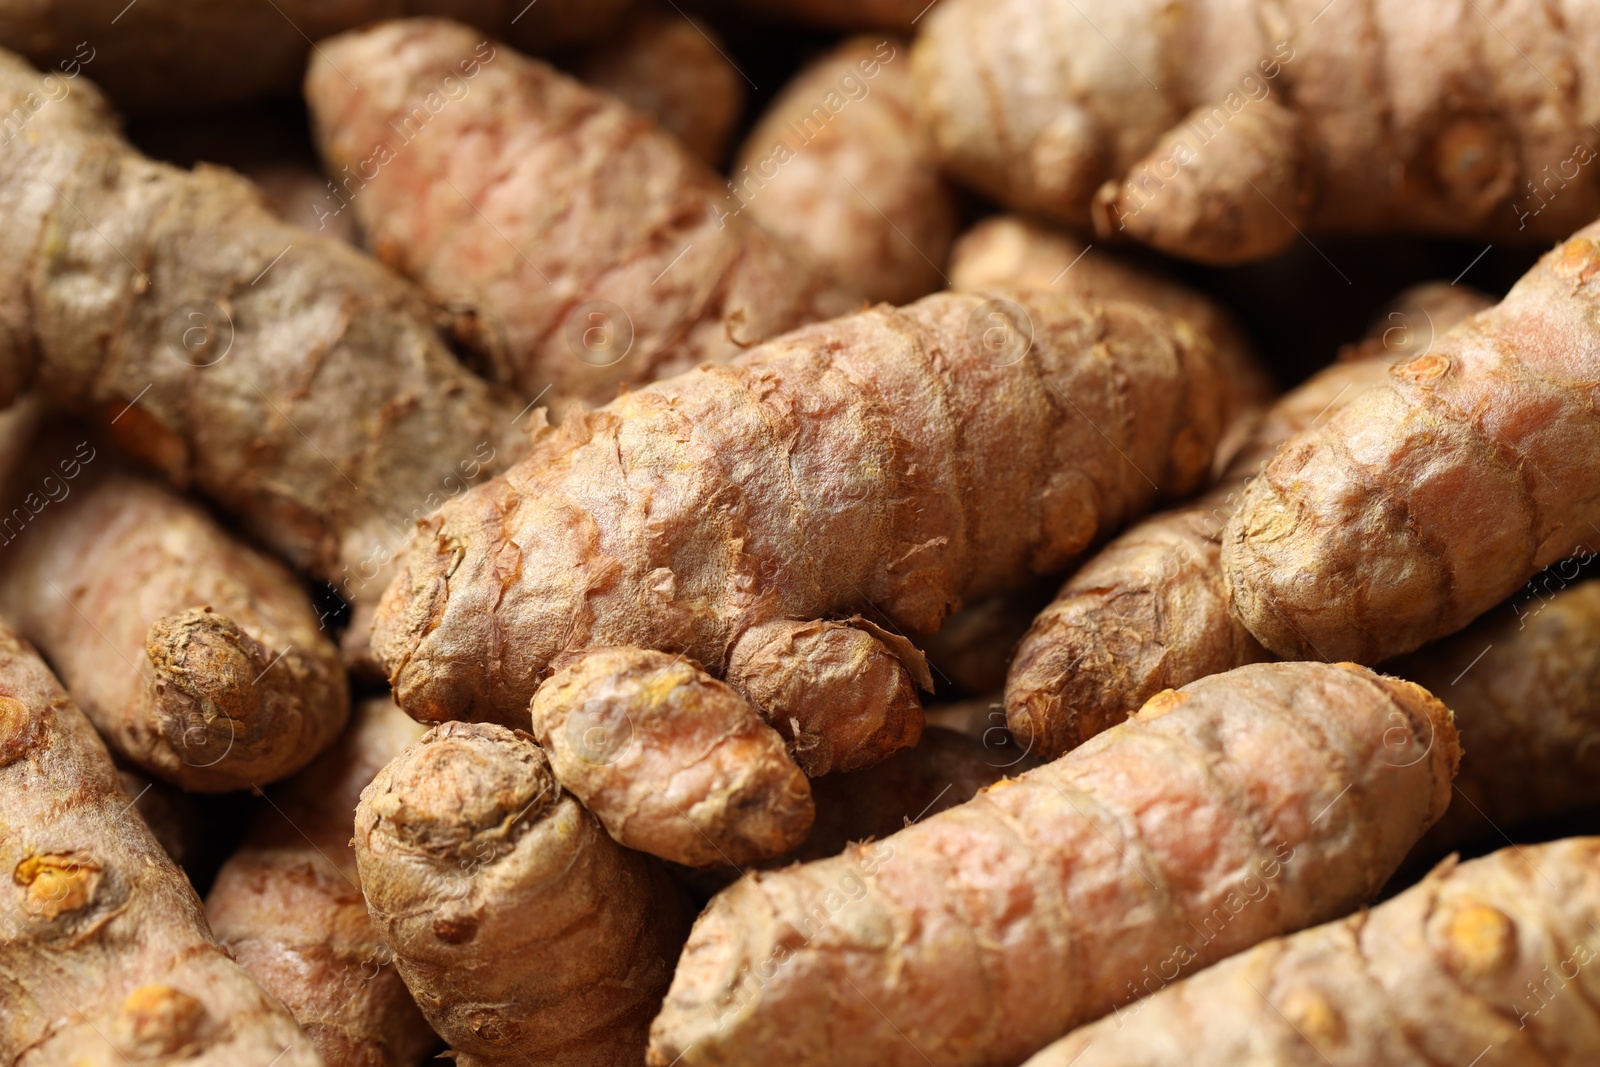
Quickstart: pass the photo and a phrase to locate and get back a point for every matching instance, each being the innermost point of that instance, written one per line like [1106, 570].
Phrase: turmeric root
[160, 54]
[839, 168]
[170, 814]
[525, 934]
[199, 659]
[288, 906]
[727, 792]
[1221, 134]
[295, 382]
[105, 956]
[584, 246]
[1472, 965]
[1524, 683]
[673, 68]
[894, 461]
[1151, 611]
[1009, 251]
[1428, 500]
[1245, 805]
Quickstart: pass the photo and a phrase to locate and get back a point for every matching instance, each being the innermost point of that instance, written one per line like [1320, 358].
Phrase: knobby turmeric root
[1243, 806]
[104, 952]
[1425, 502]
[288, 906]
[1487, 961]
[839, 168]
[524, 932]
[160, 54]
[198, 658]
[1524, 682]
[582, 246]
[894, 461]
[1220, 134]
[1151, 610]
[287, 377]
[674, 68]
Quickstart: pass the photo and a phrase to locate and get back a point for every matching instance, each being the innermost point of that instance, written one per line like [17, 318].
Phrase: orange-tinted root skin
[671, 760]
[288, 906]
[1223, 133]
[106, 958]
[675, 69]
[1151, 610]
[295, 382]
[1488, 959]
[198, 658]
[1423, 503]
[1012, 251]
[585, 246]
[886, 464]
[844, 695]
[523, 931]
[839, 168]
[1524, 683]
[1243, 806]
[168, 54]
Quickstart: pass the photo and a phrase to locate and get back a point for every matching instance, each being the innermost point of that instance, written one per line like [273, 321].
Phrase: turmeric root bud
[842, 694]
[524, 932]
[672, 761]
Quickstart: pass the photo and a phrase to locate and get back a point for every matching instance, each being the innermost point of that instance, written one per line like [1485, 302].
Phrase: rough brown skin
[1219, 133]
[198, 658]
[887, 462]
[1151, 611]
[525, 198]
[1479, 960]
[674, 68]
[671, 760]
[336, 416]
[1013, 251]
[1349, 544]
[525, 933]
[170, 813]
[978, 935]
[840, 169]
[171, 53]
[105, 956]
[1524, 683]
[288, 906]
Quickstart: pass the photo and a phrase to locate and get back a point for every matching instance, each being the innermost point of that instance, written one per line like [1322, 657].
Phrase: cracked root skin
[163, 54]
[288, 905]
[198, 658]
[879, 462]
[524, 932]
[1215, 132]
[1243, 806]
[1524, 682]
[672, 761]
[330, 414]
[530, 198]
[1474, 964]
[105, 957]
[1151, 610]
[673, 68]
[1426, 501]
[839, 168]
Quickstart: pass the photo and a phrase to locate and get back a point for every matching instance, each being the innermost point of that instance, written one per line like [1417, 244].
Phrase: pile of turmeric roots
[790, 532]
